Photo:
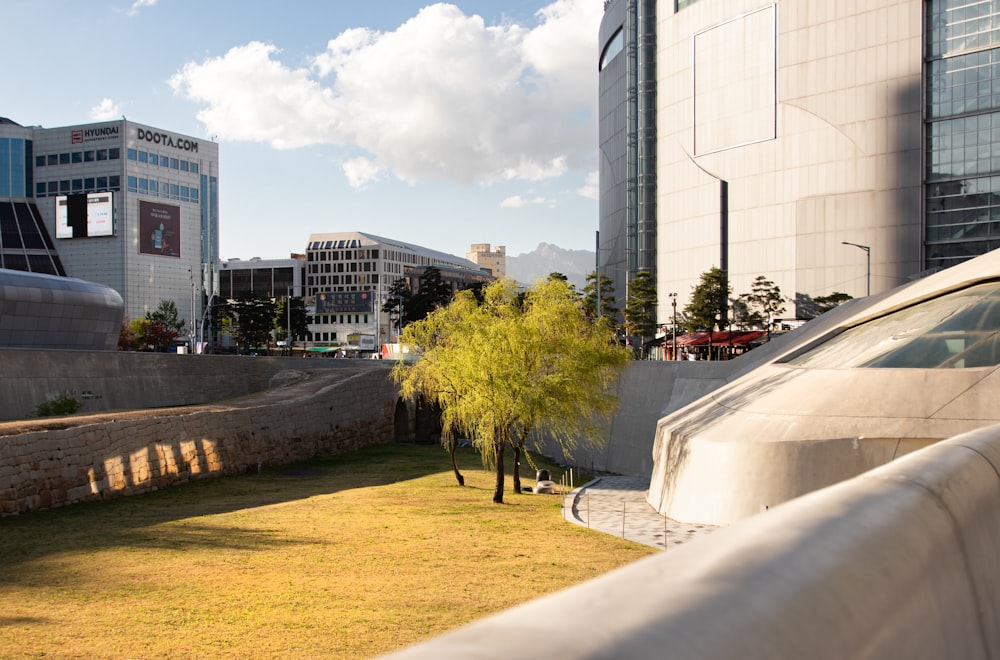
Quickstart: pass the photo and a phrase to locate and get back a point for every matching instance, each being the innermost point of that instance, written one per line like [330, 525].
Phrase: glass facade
[963, 130]
[960, 330]
[15, 167]
[627, 140]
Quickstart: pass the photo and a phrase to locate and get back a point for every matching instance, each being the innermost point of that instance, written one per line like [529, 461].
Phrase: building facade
[349, 276]
[495, 259]
[124, 204]
[789, 134]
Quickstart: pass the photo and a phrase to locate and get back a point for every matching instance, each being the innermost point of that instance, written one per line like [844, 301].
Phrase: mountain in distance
[546, 258]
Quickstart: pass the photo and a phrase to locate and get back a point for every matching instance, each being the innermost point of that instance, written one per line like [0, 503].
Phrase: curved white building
[852, 390]
[789, 134]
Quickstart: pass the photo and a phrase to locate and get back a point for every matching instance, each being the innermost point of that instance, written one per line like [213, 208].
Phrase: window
[960, 330]
[102, 154]
[114, 153]
[115, 182]
[76, 157]
[184, 166]
[143, 157]
[102, 183]
[132, 154]
[39, 161]
[88, 156]
[77, 185]
[154, 159]
[39, 189]
[174, 164]
[64, 159]
[88, 184]
[194, 168]
[133, 184]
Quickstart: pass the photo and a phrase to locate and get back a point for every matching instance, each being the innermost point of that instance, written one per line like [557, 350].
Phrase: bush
[64, 405]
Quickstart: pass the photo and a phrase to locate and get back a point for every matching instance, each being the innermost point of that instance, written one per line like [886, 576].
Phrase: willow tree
[504, 368]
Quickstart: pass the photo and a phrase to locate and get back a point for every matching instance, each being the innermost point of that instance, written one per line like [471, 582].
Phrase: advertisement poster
[159, 229]
[353, 302]
[82, 215]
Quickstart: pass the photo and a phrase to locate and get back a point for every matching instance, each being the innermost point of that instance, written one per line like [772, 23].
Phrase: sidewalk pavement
[617, 505]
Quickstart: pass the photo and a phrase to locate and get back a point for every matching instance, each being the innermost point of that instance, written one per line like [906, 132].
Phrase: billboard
[344, 302]
[159, 229]
[83, 215]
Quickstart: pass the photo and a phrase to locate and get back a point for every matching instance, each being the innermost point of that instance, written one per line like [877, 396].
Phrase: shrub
[64, 405]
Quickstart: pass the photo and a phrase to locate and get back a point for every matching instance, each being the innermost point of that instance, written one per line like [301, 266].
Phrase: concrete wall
[111, 380]
[897, 563]
[76, 459]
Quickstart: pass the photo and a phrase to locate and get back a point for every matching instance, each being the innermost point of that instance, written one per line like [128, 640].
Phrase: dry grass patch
[347, 557]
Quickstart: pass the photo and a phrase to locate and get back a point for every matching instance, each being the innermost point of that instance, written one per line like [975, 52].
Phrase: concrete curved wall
[116, 380]
[45, 311]
[897, 563]
[780, 430]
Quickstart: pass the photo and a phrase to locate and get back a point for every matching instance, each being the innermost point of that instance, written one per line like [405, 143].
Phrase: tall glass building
[118, 203]
[784, 136]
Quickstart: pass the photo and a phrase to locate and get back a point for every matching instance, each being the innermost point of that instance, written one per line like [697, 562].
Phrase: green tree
[709, 303]
[504, 368]
[294, 310]
[252, 318]
[432, 293]
[607, 293]
[766, 301]
[396, 301]
[835, 299]
[167, 316]
[640, 308]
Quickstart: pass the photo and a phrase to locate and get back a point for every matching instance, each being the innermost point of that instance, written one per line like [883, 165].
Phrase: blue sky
[438, 124]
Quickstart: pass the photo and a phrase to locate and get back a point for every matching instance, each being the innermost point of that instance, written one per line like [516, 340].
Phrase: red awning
[734, 338]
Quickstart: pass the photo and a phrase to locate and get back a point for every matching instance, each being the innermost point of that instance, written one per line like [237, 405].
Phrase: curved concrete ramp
[900, 562]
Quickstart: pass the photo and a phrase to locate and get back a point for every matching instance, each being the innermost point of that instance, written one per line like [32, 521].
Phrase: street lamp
[868, 253]
[673, 334]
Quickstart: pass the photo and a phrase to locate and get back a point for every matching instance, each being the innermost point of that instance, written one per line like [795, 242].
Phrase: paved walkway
[617, 505]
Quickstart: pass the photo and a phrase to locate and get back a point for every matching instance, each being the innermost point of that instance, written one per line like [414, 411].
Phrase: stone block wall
[326, 414]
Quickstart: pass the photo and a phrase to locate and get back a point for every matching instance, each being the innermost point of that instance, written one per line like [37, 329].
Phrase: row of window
[345, 255]
[149, 158]
[344, 267]
[329, 319]
[82, 185]
[320, 280]
[155, 188]
[72, 157]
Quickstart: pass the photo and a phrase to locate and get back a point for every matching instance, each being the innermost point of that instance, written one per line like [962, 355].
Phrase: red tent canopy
[727, 338]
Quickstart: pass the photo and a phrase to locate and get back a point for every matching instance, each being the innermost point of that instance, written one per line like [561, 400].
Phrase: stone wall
[89, 458]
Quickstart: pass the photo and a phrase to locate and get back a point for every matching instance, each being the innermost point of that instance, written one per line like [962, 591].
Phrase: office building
[348, 278]
[830, 147]
[122, 204]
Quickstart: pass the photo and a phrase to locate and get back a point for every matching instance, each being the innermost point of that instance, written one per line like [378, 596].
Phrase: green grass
[347, 557]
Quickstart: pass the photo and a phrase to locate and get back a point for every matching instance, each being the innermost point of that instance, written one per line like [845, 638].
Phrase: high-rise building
[123, 204]
[830, 147]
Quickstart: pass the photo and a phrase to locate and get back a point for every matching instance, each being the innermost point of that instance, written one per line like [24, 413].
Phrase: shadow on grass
[141, 521]
[137, 521]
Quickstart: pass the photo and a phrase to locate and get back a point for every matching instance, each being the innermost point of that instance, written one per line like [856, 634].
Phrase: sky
[442, 125]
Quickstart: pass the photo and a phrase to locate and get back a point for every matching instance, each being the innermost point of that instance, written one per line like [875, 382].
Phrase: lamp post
[673, 333]
[868, 253]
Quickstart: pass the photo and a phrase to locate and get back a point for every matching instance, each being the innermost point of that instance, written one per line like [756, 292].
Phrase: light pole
[673, 332]
[868, 253]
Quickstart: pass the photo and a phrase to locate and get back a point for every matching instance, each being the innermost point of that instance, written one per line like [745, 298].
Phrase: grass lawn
[346, 557]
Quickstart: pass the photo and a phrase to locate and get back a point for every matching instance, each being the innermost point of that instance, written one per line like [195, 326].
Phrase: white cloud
[105, 110]
[591, 187]
[442, 97]
[139, 4]
[360, 171]
[516, 202]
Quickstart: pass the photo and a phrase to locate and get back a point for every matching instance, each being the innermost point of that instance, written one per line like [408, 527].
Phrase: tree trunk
[517, 468]
[498, 490]
[452, 444]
